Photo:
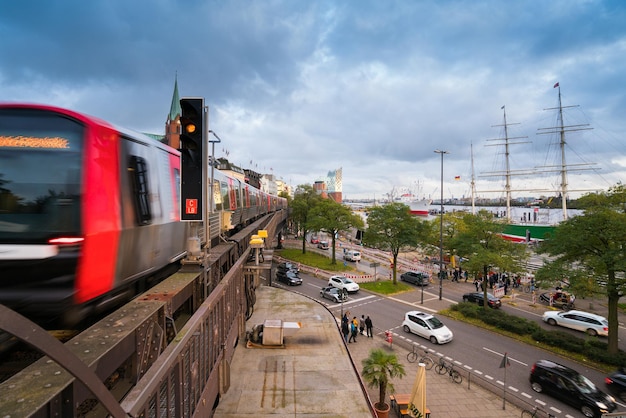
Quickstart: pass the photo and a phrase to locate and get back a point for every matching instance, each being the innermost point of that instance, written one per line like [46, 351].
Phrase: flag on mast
[556, 85]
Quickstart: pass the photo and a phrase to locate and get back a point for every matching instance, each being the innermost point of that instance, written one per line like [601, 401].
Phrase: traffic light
[193, 158]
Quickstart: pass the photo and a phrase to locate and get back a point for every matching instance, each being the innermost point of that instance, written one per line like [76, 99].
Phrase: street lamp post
[441, 227]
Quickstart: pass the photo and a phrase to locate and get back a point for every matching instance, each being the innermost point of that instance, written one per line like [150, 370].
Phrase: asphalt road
[477, 351]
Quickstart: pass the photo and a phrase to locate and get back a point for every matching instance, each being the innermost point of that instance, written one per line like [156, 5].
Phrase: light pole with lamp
[441, 228]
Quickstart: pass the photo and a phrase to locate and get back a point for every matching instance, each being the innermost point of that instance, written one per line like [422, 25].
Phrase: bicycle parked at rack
[535, 413]
[414, 356]
[442, 368]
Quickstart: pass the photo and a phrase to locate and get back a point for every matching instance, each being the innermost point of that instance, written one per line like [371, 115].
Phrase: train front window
[40, 181]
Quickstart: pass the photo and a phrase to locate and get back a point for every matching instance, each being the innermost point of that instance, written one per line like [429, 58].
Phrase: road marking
[502, 355]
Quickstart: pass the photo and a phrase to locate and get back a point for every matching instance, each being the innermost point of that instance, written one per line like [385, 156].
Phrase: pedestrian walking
[369, 326]
[476, 284]
[345, 329]
[362, 325]
[353, 330]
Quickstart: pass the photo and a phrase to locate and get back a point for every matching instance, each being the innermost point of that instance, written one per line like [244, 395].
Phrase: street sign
[374, 264]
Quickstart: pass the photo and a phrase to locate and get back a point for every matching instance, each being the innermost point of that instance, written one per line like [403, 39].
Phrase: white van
[351, 255]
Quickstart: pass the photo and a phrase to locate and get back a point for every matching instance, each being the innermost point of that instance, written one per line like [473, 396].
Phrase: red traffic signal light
[193, 158]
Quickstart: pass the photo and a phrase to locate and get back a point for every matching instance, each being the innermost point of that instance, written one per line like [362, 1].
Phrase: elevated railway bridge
[165, 354]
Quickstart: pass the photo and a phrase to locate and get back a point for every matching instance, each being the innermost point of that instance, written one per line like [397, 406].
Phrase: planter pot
[382, 412]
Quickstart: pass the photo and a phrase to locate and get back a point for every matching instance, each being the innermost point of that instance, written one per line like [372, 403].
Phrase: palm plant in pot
[378, 370]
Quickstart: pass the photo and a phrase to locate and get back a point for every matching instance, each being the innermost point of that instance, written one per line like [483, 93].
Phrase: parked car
[592, 324]
[415, 277]
[323, 245]
[427, 326]
[315, 239]
[341, 282]
[571, 387]
[478, 297]
[334, 294]
[288, 277]
[287, 265]
[616, 383]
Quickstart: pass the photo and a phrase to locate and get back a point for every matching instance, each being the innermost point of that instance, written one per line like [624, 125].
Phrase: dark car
[478, 297]
[287, 265]
[334, 294]
[571, 387]
[415, 277]
[616, 383]
[288, 277]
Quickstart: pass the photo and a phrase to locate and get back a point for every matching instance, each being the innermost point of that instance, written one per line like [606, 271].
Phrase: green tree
[479, 240]
[590, 250]
[378, 370]
[332, 217]
[392, 228]
[305, 199]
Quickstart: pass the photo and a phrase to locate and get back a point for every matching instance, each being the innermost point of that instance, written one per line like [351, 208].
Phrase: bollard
[388, 337]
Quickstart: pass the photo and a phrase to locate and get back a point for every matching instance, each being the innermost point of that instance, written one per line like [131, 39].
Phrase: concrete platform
[317, 375]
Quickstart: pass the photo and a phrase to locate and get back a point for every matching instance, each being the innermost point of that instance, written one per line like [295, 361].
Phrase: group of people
[350, 328]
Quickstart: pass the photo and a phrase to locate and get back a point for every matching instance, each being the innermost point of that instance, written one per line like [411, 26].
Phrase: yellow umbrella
[417, 403]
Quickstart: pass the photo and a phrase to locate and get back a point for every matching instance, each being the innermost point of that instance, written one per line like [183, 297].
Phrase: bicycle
[414, 356]
[533, 414]
[448, 368]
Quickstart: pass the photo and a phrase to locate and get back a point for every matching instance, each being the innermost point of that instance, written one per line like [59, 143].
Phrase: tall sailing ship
[531, 229]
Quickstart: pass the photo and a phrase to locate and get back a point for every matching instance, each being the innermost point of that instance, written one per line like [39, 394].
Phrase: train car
[89, 212]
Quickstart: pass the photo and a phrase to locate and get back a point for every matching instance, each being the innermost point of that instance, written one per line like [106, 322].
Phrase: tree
[332, 217]
[479, 240]
[378, 370]
[305, 199]
[392, 228]
[591, 248]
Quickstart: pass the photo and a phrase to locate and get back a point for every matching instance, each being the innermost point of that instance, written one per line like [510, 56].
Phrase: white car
[587, 322]
[341, 282]
[427, 326]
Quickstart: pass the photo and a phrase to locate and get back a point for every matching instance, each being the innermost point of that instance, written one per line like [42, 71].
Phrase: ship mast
[563, 167]
[473, 183]
[506, 141]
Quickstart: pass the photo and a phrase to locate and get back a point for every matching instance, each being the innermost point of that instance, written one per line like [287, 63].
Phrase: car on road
[415, 277]
[426, 326]
[315, 239]
[571, 387]
[592, 324]
[334, 294]
[287, 265]
[323, 245]
[288, 277]
[352, 255]
[341, 282]
[478, 297]
[616, 383]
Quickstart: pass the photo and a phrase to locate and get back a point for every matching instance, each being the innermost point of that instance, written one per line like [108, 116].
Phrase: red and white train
[90, 212]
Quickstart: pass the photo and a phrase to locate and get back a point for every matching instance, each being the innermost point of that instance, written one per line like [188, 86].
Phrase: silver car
[333, 294]
[582, 321]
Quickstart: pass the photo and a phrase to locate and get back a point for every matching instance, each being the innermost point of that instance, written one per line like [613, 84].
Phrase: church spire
[175, 110]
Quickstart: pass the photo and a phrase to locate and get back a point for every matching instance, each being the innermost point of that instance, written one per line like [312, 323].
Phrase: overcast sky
[300, 88]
